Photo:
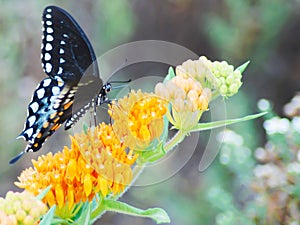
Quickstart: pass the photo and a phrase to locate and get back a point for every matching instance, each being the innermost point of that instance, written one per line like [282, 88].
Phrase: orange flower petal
[87, 184]
[70, 197]
[59, 193]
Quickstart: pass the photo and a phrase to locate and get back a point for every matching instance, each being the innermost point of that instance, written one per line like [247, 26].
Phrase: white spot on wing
[53, 98]
[55, 106]
[60, 84]
[61, 60]
[48, 47]
[48, 22]
[29, 132]
[46, 82]
[40, 93]
[31, 120]
[58, 78]
[61, 51]
[49, 10]
[49, 30]
[55, 90]
[60, 70]
[49, 37]
[47, 56]
[34, 106]
[48, 67]
[62, 42]
[48, 16]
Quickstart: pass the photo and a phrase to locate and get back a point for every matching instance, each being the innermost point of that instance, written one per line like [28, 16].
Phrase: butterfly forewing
[66, 51]
[73, 83]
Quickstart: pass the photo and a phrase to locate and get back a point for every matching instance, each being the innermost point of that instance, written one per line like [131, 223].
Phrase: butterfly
[72, 85]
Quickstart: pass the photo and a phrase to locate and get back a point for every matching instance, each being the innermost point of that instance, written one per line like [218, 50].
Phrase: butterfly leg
[95, 113]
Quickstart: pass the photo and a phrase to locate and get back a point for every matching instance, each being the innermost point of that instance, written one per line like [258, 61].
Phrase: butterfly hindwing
[41, 112]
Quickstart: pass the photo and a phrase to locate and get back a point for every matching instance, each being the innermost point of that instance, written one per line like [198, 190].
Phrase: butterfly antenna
[16, 158]
[95, 114]
[120, 82]
[120, 86]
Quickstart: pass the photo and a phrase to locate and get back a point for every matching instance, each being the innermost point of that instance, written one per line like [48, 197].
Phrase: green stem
[178, 137]
[99, 211]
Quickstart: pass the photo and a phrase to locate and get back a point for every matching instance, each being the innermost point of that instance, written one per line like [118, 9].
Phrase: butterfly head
[102, 96]
[107, 88]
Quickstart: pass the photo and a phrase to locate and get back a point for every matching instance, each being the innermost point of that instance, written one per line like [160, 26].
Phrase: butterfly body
[73, 85]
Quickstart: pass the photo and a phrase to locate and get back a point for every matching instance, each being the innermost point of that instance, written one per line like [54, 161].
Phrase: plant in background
[276, 176]
[253, 36]
[87, 179]
[266, 181]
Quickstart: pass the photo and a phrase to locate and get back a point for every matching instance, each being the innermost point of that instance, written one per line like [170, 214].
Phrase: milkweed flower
[188, 100]
[196, 70]
[103, 150]
[226, 80]
[20, 208]
[72, 173]
[138, 119]
[7, 219]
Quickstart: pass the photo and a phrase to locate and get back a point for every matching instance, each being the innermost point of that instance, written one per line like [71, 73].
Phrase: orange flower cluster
[138, 118]
[96, 162]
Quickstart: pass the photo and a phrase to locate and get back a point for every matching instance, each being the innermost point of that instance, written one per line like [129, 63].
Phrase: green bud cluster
[20, 209]
[226, 80]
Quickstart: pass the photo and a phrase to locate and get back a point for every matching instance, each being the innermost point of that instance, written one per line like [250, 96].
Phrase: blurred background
[266, 32]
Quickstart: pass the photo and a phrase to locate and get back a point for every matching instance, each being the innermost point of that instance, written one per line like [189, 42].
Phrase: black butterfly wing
[80, 54]
[69, 60]
[66, 50]
[71, 56]
[42, 113]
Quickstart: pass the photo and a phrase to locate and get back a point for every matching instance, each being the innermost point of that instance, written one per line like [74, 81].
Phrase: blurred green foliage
[248, 29]
[115, 23]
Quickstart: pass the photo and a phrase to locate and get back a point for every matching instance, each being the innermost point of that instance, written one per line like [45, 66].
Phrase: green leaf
[170, 74]
[164, 135]
[47, 219]
[59, 221]
[85, 128]
[157, 214]
[43, 193]
[154, 154]
[242, 68]
[85, 216]
[216, 124]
